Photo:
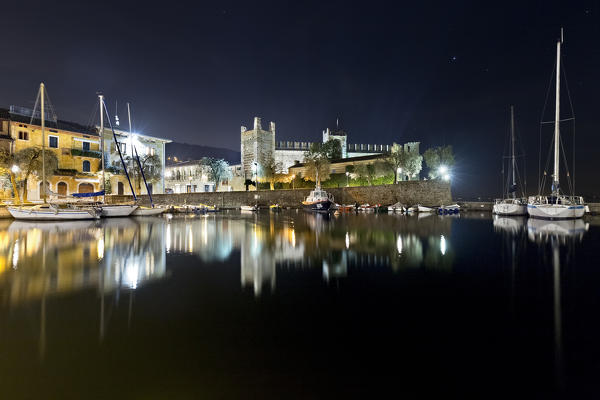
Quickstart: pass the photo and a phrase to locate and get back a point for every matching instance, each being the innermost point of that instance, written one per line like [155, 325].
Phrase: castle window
[23, 135]
[53, 142]
[86, 166]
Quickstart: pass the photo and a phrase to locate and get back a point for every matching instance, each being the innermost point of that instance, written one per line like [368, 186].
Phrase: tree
[414, 164]
[316, 163]
[152, 167]
[217, 170]
[271, 171]
[332, 149]
[396, 159]
[29, 161]
[437, 157]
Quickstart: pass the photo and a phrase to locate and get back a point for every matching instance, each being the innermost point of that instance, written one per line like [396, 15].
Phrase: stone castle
[259, 148]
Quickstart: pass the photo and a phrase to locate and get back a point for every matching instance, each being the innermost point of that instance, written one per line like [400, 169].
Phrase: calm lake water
[297, 305]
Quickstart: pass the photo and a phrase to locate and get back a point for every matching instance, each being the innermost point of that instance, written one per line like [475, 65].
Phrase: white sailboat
[556, 205]
[510, 204]
[45, 211]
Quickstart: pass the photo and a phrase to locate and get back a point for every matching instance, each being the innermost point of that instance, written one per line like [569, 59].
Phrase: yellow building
[77, 149]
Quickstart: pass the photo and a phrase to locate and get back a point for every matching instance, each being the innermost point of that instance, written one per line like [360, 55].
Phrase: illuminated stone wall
[408, 192]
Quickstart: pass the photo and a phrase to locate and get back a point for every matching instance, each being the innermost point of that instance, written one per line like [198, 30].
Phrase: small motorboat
[147, 211]
[318, 200]
[451, 209]
[203, 209]
[249, 208]
[423, 209]
[346, 208]
[396, 208]
[366, 208]
[275, 207]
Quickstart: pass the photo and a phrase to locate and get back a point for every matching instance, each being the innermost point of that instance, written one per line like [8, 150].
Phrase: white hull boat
[556, 206]
[117, 210]
[146, 211]
[48, 212]
[509, 208]
[423, 209]
[556, 211]
[249, 208]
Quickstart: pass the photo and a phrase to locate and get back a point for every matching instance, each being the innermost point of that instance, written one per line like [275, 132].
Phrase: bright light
[347, 240]
[15, 169]
[447, 177]
[443, 170]
[443, 245]
[399, 244]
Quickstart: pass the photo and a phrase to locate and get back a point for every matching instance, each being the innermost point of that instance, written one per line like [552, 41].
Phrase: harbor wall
[407, 192]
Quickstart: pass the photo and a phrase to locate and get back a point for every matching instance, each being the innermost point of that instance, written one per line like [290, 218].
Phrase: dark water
[294, 305]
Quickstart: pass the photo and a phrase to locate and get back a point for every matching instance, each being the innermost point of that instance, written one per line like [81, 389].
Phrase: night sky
[442, 73]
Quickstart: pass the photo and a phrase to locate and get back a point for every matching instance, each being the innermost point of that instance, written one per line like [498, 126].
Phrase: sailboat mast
[130, 135]
[43, 123]
[101, 101]
[512, 150]
[555, 184]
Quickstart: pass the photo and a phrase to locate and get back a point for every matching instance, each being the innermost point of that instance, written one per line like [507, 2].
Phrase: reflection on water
[225, 290]
[303, 240]
[41, 258]
[46, 258]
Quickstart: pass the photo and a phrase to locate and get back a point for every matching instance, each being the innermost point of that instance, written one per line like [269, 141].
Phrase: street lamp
[15, 169]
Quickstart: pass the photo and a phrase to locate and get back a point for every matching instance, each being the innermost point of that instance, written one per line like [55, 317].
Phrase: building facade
[259, 146]
[77, 149]
[129, 143]
[193, 176]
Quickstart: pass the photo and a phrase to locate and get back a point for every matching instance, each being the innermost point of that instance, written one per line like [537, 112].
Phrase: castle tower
[257, 147]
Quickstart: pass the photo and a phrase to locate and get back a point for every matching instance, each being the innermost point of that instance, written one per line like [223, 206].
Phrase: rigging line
[547, 164]
[562, 147]
[540, 133]
[573, 114]
[560, 120]
[35, 105]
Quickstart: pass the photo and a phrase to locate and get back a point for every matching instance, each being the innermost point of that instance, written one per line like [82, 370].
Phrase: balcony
[86, 153]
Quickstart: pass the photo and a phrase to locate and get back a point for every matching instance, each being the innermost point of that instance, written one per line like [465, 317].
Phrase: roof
[345, 160]
[60, 124]
[126, 133]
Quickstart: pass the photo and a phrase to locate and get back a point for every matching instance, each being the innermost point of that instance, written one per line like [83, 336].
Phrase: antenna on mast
[561, 35]
[116, 113]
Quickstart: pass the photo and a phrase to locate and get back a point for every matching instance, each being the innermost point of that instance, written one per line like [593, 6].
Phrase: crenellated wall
[408, 192]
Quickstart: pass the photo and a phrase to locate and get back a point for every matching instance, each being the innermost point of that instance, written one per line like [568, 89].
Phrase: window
[86, 166]
[23, 135]
[122, 147]
[207, 188]
[86, 146]
[53, 142]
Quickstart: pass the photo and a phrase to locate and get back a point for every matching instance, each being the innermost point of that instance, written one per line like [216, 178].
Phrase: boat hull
[248, 208]
[317, 206]
[145, 212]
[555, 211]
[117, 210]
[509, 209]
[47, 215]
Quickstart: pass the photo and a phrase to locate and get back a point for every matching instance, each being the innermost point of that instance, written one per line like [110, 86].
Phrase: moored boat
[557, 205]
[274, 207]
[397, 208]
[249, 208]
[318, 200]
[53, 212]
[451, 209]
[147, 211]
[423, 209]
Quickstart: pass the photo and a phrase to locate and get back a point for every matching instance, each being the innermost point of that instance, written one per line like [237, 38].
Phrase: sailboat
[45, 211]
[510, 204]
[107, 210]
[556, 205]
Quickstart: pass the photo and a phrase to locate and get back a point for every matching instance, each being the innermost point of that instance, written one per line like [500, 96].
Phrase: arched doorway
[86, 188]
[120, 189]
[61, 188]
